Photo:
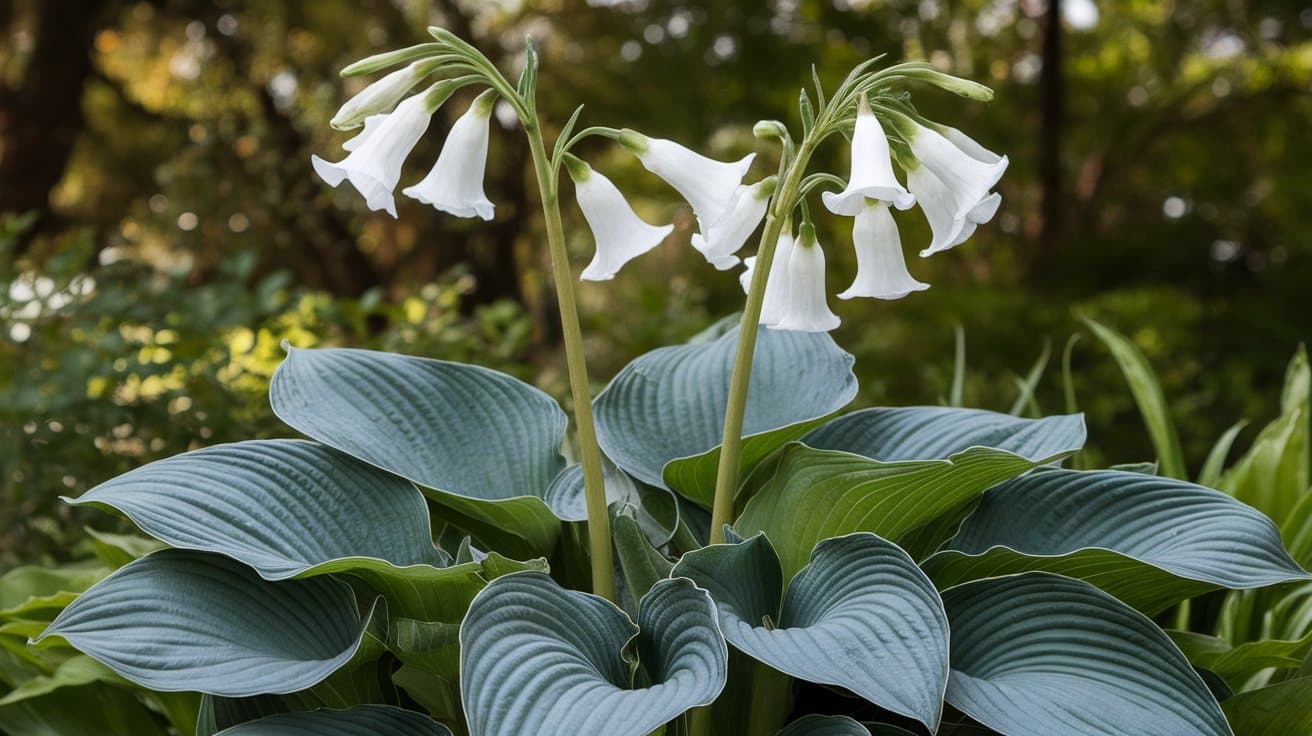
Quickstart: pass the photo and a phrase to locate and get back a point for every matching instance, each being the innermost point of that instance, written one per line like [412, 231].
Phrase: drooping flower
[987, 207]
[381, 96]
[776, 287]
[705, 183]
[455, 183]
[966, 179]
[620, 234]
[719, 240]
[872, 174]
[881, 267]
[806, 308]
[371, 124]
[947, 224]
[373, 165]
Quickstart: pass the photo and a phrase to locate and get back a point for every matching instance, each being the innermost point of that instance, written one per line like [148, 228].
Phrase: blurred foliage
[165, 232]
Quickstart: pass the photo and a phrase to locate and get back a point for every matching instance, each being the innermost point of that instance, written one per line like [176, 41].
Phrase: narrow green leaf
[1273, 475]
[1236, 664]
[539, 659]
[179, 620]
[1214, 465]
[1148, 541]
[661, 419]
[1275, 710]
[1148, 395]
[1043, 655]
[480, 442]
[861, 616]
[77, 670]
[1031, 382]
[955, 398]
[362, 720]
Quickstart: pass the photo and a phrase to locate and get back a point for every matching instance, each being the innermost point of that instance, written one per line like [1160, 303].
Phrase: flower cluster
[947, 173]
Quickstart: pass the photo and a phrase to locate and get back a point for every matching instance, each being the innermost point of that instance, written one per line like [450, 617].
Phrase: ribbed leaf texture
[280, 506]
[539, 659]
[1149, 541]
[861, 616]
[178, 620]
[1043, 655]
[937, 433]
[487, 444]
[662, 418]
[363, 720]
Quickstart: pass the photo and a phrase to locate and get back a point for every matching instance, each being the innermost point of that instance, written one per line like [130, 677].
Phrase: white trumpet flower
[987, 207]
[947, 224]
[620, 234]
[720, 240]
[373, 165]
[872, 174]
[881, 268]
[705, 183]
[381, 96]
[455, 183]
[807, 309]
[966, 179]
[775, 302]
[371, 124]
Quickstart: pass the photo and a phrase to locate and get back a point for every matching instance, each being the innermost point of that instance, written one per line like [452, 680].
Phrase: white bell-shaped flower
[620, 234]
[987, 207]
[455, 183]
[966, 178]
[381, 96]
[776, 287]
[947, 224]
[806, 308]
[881, 268]
[373, 165]
[720, 240]
[705, 183]
[371, 124]
[872, 174]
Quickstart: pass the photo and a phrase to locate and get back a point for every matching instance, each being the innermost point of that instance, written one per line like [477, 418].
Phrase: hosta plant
[429, 560]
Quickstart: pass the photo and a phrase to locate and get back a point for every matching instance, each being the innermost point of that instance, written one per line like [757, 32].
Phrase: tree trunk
[41, 119]
[1052, 110]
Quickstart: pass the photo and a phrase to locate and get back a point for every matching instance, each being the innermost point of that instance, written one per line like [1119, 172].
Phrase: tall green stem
[731, 443]
[594, 489]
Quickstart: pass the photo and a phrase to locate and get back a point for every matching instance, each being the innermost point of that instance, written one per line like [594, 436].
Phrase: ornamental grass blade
[179, 620]
[539, 659]
[860, 616]
[1043, 655]
[482, 443]
[662, 417]
[1149, 541]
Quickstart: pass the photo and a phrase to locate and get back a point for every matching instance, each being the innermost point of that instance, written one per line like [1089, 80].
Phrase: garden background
[161, 230]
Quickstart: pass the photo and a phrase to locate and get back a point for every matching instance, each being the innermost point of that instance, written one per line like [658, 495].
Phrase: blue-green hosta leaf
[179, 620]
[1274, 710]
[938, 432]
[861, 616]
[818, 494]
[814, 725]
[661, 419]
[538, 659]
[1043, 655]
[290, 508]
[485, 444]
[1149, 541]
[362, 720]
